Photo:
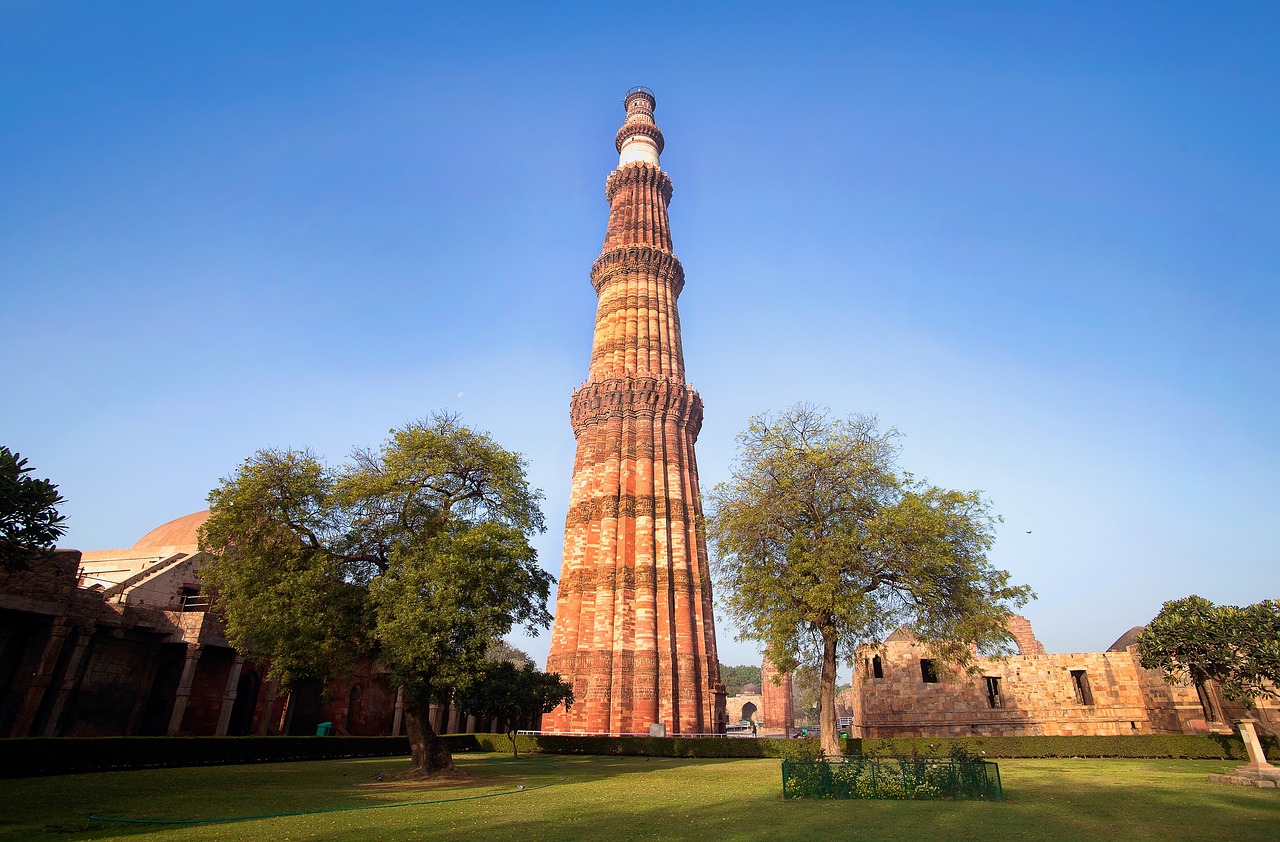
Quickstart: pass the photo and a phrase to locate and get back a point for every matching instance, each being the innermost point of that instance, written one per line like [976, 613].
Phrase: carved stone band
[636, 258]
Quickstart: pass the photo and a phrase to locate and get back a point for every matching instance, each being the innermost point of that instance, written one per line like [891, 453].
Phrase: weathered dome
[1126, 640]
[180, 532]
[749, 690]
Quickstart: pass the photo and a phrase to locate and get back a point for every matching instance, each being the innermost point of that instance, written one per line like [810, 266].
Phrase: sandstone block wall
[1033, 693]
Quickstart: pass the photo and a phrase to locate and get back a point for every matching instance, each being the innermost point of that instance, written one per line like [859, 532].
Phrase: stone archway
[749, 711]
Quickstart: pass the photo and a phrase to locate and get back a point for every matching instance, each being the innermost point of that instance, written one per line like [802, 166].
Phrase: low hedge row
[640, 746]
[1182, 746]
[32, 756]
[65, 755]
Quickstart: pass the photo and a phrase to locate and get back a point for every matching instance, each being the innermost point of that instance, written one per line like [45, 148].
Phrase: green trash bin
[324, 729]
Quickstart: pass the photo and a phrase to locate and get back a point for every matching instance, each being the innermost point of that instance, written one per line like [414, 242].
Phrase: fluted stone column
[634, 629]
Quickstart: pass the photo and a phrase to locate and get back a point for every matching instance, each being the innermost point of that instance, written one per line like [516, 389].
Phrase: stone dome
[180, 532]
[1127, 639]
[749, 690]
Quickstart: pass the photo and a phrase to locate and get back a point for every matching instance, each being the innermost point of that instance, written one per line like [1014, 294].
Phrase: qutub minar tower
[634, 629]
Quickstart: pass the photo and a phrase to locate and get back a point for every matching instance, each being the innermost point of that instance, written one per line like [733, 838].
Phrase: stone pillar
[777, 715]
[268, 702]
[229, 696]
[471, 723]
[286, 713]
[183, 695]
[398, 719]
[70, 678]
[455, 716]
[1257, 757]
[41, 680]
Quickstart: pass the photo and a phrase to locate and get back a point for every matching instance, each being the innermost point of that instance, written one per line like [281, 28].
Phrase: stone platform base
[1263, 778]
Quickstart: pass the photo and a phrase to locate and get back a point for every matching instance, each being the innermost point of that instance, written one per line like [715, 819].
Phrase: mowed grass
[617, 798]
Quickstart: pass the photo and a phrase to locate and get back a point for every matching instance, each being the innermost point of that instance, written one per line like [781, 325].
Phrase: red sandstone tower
[634, 630]
[779, 716]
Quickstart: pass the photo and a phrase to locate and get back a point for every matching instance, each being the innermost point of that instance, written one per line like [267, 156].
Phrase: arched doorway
[749, 710]
[241, 722]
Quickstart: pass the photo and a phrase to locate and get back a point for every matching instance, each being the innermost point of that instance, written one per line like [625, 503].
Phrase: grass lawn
[615, 798]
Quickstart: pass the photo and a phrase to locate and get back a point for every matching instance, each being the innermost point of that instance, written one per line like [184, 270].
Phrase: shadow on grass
[619, 798]
[165, 800]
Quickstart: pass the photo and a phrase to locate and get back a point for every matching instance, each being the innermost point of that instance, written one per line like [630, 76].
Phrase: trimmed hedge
[31, 756]
[1180, 746]
[793, 749]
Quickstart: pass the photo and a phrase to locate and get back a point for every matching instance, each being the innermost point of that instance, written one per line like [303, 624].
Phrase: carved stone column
[183, 694]
[229, 696]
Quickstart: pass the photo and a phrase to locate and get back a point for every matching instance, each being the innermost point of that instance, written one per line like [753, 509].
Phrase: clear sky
[1041, 240]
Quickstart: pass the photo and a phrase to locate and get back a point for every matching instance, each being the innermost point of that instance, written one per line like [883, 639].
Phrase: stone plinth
[1257, 772]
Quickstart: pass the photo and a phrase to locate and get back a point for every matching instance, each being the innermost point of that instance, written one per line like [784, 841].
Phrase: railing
[608, 734]
[896, 778]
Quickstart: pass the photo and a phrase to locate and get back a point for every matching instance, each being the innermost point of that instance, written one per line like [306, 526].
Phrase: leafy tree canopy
[416, 554]
[1191, 639]
[820, 543]
[514, 694]
[30, 525]
[500, 650]
[735, 678]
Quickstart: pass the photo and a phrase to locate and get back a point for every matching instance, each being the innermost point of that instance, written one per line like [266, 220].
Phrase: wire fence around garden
[892, 778]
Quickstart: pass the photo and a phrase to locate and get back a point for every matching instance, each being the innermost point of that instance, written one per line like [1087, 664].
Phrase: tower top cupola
[639, 139]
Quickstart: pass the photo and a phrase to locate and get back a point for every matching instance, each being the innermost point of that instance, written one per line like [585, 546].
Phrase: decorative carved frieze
[649, 130]
[621, 261]
[638, 173]
[645, 579]
[629, 505]
[636, 397]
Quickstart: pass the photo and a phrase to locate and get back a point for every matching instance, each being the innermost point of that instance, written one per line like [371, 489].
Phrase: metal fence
[892, 778]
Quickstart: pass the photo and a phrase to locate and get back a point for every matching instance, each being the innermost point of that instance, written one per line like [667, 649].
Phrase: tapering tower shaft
[634, 628]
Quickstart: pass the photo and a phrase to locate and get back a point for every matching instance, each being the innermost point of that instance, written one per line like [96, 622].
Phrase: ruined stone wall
[1035, 695]
[737, 707]
[108, 690]
[362, 704]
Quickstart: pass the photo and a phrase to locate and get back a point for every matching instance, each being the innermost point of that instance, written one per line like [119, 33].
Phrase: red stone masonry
[634, 629]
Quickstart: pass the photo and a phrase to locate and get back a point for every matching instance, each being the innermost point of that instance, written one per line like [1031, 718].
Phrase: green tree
[30, 525]
[806, 694]
[1191, 639]
[735, 678]
[417, 554]
[500, 650]
[514, 694]
[820, 543]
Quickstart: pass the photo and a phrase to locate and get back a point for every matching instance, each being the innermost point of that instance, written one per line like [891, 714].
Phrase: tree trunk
[829, 734]
[430, 753]
[511, 732]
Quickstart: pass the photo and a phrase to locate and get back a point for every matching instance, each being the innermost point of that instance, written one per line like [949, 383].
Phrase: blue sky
[1042, 240]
